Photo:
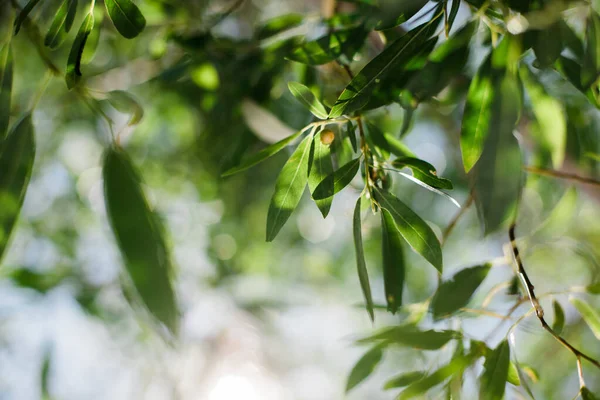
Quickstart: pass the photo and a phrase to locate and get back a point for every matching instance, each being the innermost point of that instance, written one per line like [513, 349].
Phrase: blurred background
[259, 321]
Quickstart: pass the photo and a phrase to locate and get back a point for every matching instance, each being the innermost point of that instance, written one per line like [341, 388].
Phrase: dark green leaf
[391, 13]
[423, 171]
[571, 70]
[40, 282]
[93, 39]
[45, 375]
[586, 394]
[127, 18]
[398, 148]
[364, 367]
[262, 155]
[74, 61]
[589, 314]
[61, 24]
[411, 336]
[124, 102]
[571, 40]
[393, 261]
[590, 68]
[548, 45]
[337, 180]
[351, 135]
[320, 167]
[139, 235]
[454, 294]
[404, 379]
[377, 140]
[412, 228]
[513, 375]
[277, 25]
[24, 13]
[308, 99]
[493, 380]
[363, 275]
[453, 14]
[330, 47]
[6, 78]
[288, 188]
[17, 152]
[559, 318]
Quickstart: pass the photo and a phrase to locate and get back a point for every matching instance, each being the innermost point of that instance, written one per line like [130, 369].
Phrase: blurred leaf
[393, 261]
[593, 288]
[24, 13]
[125, 102]
[44, 376]
[6, 78]
[330, 47]
[591, 58]
[559, 318]
[391, 13]
[404, 379]
[513, 375]
[570, 39]
[376, 140]
[74, 61]
[589, 314]
[411, 336]
[308, 99]
[139, 235]
[364, 367]
[262, 155]
[277, 25]
[412, 228]
[350, 132]
[398, 148]
[548, 45]
[430, 188]
[288, 188]
[93, 39]
[320, 166]
[363, 275]
[17, 153]
[337, 180]
[493, 380]
[454, 294]
[40, 282]
[452, 15]
[263, 123]
[586, 394]
[127, 18]
[61, 24]
[423, 171]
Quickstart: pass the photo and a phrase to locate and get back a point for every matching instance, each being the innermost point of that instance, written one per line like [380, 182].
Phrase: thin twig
[562, 175]
[454, 221]
[580, 373]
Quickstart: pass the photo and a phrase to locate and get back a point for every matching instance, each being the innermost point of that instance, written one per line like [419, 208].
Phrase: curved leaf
[277, 25]
[320, 166]
[423, 171]
[74, 61]
[559, 318]
[6, 78]
[24, 13]
[139, 235]
[548, 45]
[127, 104]
[589, 314]
[330, 47]
[411, 336]
[404, 379]
[455, 367]
[61, 24]
[363, 275]
[493, 380]
[590, 68]
[308, 99]
[393, 261]
[126, 17]
[364, 367]
[337, 180]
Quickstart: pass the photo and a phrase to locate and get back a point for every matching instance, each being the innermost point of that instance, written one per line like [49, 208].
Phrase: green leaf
[320, 166]
[17, 152]
[139, 235]
[288, 188]
[396, 146]
[125, 102]
[377, 141]
[61, 24]
[423, 171]
[571, 70]
[24, 13]
[277, 25]
[411, 336]
[364, 367]
[453, 13]
[586, 394]
[497, 175]
[455, 367]
[391, 13]
[412, 228]
[548, 45]
[404, 379]
[126, 17]
[308, 99]
[330, 47]
[93, 39]
[351, 133]
[393, 261]
[559, 318]
[74, 61]
[45, 375]
[363, 275]
[6, 78]
[550, 116]
[513, 375]
[477, 115]
[262, 155]
[395, 56]
[454, 294]
[591, 57]
[589, 314]
[493, 380]
[337, 180]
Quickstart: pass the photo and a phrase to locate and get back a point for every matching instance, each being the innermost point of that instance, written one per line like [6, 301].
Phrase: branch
[562, 175]
[454, 221]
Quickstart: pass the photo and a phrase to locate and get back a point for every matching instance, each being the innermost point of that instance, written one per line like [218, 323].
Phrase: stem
[562, 175]
[454, 221]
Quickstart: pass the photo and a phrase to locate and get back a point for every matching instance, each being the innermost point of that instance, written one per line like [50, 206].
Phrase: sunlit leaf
[455, 367]
[74, 61]
[363, 275]
[6, 78]
[17, 152]
[456, 293]
[570, 39]
[572, 71]
[308, 99]
[126, 103]
[559, 318]
[126, 17]
[288, 188]
[61, 24]
[423, 171]
[589, 315]
[413, 229]
[404, 379]
[391, 13]
[330, 47]
[93, 39]
[40, 282]
[320, 166]
[139, 235]
[513, 375]
[393, 261]
[411, 336]
[590, 68]
[350, 132]
[492, 382]
[337, 180]
[398, 148]
[277, 25]
[24, 13]
[364, 367]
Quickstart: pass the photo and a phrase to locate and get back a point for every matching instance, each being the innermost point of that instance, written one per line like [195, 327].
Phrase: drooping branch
[562, 175]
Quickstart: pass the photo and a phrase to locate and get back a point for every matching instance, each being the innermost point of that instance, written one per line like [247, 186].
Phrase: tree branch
[562, 175]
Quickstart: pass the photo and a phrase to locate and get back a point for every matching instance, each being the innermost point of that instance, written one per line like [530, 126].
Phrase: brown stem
[562, 175]
[454, 221]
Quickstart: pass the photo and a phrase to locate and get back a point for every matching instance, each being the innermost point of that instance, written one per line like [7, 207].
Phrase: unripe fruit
[327, 137]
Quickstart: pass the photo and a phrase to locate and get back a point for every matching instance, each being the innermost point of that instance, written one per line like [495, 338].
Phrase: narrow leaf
[277, 25]
[455, 367]
[263, 154]
[589, 315]
[454, 294]
[559, 318]
[493, 380]
[17, 152]
[404, 379]
[127, 104]
[391, 13]
[61, 24]
[351, 133]
[139, 235]
[423, 171]
[393, 261]
[320, 167]
[453, 13]
[412, 228]
[586, 394]
[308, 99]
[590, 68]
[74, 61]
[127, 18]
[363, 275]
[6, 78]
[411, 336]
[45, 374]
[364, 367]
[330, 47]
[430, 188]
[548, 45]
[337, 180]
[513, 375]
[288, 188]
[24, 13]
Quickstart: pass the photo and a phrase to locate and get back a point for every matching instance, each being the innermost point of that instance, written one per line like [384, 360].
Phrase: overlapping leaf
[308, 99]
[411, 336]
[330, 47]
[320, 166]
[590, 68]
[6, 78]
[492, 382]
[126, 17]
[423, 171]
[393, 261]
[61, 24]
[277, 25]
[24, 13]
[364, 367]
[337, 180]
